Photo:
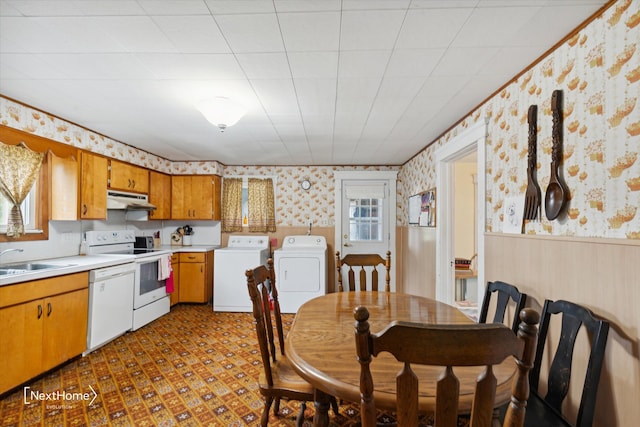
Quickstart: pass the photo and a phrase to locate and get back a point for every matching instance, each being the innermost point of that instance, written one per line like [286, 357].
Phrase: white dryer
[242, 253]
[301, 270]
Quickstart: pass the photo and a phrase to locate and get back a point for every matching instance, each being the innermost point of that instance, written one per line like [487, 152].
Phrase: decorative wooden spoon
[556, 194]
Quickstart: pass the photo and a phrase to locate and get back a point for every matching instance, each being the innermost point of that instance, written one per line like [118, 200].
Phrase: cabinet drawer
[36, 289]
[192, 257]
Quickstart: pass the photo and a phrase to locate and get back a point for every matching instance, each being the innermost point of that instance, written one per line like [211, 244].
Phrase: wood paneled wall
[601, 274]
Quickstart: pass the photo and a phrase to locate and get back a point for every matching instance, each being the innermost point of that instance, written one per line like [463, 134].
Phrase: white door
[365, 215]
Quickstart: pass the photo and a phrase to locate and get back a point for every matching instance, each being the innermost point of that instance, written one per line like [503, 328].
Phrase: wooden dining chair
[505, 295]
[448, 346]
[547, 410]
[368, 261]
[277, 380]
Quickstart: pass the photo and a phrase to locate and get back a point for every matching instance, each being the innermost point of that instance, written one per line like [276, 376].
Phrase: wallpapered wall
[599, 72]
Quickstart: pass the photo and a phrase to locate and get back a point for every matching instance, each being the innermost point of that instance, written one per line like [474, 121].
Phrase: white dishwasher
[110, 304]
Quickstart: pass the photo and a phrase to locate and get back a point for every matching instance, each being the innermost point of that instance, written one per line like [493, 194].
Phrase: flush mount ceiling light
[221, 111]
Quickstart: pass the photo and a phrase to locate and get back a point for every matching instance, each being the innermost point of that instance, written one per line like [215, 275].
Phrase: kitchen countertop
[72, 264]
[78, 263]
[192, 248]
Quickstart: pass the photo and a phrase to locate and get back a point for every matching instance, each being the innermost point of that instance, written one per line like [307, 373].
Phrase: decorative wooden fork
[532, 196]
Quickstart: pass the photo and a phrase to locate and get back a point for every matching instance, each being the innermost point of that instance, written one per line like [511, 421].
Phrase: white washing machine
[301, 270]
[242, 253]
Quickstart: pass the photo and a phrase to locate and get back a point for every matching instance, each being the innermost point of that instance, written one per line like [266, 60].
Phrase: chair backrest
[261, 283]
[448, 346]
[362, 261]
[506, 294]
[573, 317]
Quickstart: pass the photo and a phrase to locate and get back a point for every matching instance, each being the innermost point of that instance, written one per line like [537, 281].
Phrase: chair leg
[334, 405]
[300, 418]
[265, 414]
[276, 407]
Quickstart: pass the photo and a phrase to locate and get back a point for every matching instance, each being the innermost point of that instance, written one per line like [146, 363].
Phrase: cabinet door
[124, 176]
[179, 197]
[65, 327]
[160, 195]
[201, 197]
[93, 186]
[20, 343]
[174, 297]
[63, 173]
[192, 276]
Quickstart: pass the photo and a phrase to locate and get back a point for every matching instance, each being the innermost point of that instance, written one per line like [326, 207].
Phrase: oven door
[148, 288]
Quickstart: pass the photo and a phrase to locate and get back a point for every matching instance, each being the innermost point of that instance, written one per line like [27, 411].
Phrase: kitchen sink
[27, 267]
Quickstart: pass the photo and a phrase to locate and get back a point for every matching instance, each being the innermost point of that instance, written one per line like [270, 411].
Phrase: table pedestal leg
[322, 404]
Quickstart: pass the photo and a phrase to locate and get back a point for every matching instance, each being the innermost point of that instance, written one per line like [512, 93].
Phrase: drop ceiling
[324, 82]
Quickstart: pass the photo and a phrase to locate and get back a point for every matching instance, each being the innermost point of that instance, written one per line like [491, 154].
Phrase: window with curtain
[19, 169]
[259, 206]
[231, 205]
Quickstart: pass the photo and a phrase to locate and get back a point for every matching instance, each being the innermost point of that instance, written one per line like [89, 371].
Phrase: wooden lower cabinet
[196, 276]
[174, 297]
[44, 323]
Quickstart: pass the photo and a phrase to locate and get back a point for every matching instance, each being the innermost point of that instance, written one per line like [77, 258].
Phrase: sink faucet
[11, 250]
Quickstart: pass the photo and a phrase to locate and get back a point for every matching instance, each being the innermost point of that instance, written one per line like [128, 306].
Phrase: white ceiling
[325, 82]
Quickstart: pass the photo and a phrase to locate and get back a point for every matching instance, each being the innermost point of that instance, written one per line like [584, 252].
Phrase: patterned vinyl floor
[192, 367]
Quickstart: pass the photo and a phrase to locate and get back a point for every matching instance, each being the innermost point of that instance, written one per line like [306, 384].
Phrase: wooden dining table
[321, 348]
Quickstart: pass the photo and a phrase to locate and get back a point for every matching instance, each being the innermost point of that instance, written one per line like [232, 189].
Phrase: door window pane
[365, 220]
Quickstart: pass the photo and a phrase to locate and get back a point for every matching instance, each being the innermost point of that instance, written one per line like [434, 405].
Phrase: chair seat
[539, 414]
[286, 382]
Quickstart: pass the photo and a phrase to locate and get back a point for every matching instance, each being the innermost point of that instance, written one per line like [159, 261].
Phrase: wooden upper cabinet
[160, 195]
[63, 182]
[195, 197]
[123, 176]
[93, 186]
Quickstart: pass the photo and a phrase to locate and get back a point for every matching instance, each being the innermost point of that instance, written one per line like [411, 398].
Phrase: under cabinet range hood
[120, 200]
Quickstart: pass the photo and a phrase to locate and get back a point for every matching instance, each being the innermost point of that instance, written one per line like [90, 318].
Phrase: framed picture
[428, 208]
[415, 202]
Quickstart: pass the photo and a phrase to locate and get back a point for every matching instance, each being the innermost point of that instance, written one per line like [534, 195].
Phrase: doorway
[365, 203]
[464, 145]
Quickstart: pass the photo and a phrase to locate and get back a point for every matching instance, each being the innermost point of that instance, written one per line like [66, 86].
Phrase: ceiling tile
[109, 7]
[135, 33]
[33, 8]
[240, 6]
[309, 65]
[366, 64]
[464, 61]
[193, 34]
[413, 62]
[316, 96]
[277, 97]
[370, 29]
[428, 28]
[308, 32]
[174, 7]
[251, 33]
[192, 66]
[264, 65]
[307, 5]
[505, 23]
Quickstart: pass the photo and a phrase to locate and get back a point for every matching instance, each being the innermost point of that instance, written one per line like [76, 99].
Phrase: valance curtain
[19, 167]
[262, 217]
[232, 205]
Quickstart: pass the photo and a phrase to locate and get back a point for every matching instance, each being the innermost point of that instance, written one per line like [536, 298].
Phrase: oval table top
[321, 347]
